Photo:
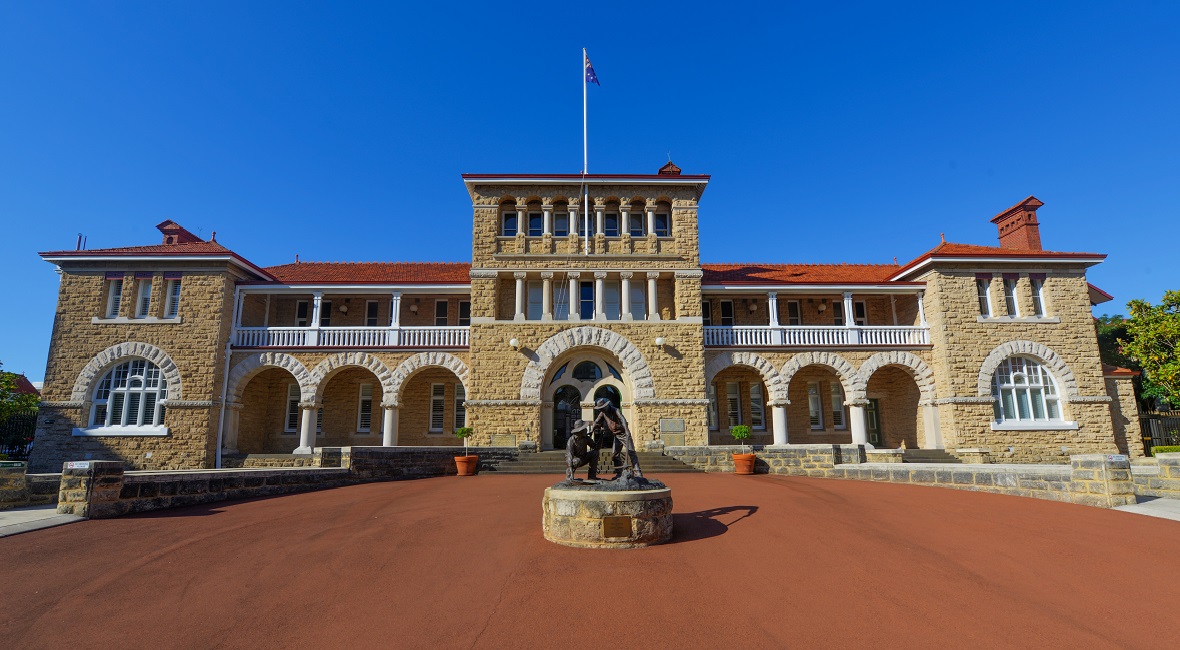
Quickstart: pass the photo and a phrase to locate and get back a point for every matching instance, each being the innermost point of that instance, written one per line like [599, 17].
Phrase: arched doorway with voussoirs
[577, 379]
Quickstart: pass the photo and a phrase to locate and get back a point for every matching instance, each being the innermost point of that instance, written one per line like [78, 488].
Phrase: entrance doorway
[567, 407]
[873, 422]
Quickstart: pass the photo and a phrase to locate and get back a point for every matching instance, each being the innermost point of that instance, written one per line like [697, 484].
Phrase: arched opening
[737, 395]
[269, 417]
[892, 414]
[817, 414]
[432, 407]
[351, 409]
[583, 374]
[567, 407]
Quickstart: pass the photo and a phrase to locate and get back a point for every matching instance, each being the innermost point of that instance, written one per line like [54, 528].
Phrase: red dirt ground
[452, 562]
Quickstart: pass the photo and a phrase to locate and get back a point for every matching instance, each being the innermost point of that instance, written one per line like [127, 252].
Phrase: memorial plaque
[616, 526]
[672, 425]
[503, 440]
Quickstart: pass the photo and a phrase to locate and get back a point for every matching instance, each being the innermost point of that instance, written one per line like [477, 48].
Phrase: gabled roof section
[1098, 296]
[1115, 371]
[372, 273]
[951, 252]
[778, 274]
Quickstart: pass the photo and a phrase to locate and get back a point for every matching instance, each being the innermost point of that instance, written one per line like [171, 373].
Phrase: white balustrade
[352, 337]
[815, 336]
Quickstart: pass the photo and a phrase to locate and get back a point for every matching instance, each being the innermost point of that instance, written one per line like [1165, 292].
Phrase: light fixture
[753, 306]
[822, 307]
[514, 344]
[659, 341]
[414, 308]
[343, 309]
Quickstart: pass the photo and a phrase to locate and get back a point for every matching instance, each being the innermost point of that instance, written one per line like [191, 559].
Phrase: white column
[772, 307]
[266, 314]
[856, 413]
[893, 307]
[778, 421]
[653, 301]
[599, 294]
[625, 295]
[547, 295]
[238, 309]
[921, 309]
[520, 288]
[395, 309]
[575, 297]
[651, 221]
[307, 428]
[548, 211]
[624, 219]
[522, 219]
[389, 426]
[849, 320]
[599, 219]
[317, 300]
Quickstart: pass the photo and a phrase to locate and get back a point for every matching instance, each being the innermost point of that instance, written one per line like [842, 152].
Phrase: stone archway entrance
[567, 407]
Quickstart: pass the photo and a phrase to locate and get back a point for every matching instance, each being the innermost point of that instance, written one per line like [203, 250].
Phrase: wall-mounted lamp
[823, 307]
[753, 306]
[514, 344]
[414, 308]
[660, 342]
[343, 309]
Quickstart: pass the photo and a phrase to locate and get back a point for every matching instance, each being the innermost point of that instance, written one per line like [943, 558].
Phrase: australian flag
[590, 76]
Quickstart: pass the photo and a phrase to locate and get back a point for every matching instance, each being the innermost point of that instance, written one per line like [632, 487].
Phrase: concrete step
[929, 456]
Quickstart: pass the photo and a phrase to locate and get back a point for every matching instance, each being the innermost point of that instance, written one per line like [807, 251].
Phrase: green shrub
[3, 456]
[740, 432]
[1168, 449]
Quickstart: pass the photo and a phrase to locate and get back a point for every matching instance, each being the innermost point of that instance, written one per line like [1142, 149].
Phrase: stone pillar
[14, 491]
[921, 309]
[520, 295]
[850, 320]
[653, 301]
[229, 442]
[389, 425]
[651, 222]
[772, 307]
[625, 295]
[1102, 480]
[778, 420]
[547, 295]
[599, 293]
[395, 309]
[624, 219]
[307, 427]
[599, 219]
[522, 220]
[856, 415]
[91, 489]
[313, 337]
[575, 297]
[547, 210]
[933, 437]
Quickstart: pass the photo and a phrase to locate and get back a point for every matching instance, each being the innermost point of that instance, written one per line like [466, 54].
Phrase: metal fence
[16, 435]
[1160, 429]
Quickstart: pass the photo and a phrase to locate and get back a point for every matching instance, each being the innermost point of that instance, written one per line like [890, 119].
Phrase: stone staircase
[553, 462]
[928, 456]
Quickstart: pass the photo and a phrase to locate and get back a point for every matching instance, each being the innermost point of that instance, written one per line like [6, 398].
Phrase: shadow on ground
[692, 526]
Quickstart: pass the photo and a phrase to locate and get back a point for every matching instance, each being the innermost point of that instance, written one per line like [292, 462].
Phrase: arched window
[1025, 392]
[587, 371]
[130, 395]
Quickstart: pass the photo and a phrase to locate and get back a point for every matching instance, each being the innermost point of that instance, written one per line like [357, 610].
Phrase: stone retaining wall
[43, 488]
[382, 463]
[1159, 479]
[13, 492]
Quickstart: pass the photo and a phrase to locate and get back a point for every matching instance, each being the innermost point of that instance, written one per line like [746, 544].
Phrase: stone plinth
[584, 518]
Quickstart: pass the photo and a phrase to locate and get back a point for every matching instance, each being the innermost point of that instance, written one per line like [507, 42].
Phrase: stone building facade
[178, 354]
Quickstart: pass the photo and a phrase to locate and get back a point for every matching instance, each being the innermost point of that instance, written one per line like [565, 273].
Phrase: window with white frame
[292, 409]
[1025, 392]
[638, 301]
[757, 408]
[713, 426]
[301, 318]
[143, 302]
[325, 313]
[983, 290]
[561, 224]
[733, 403]
[610, 224]
[438, 394]
[371, 313]
[364, 409]
[611, 303]
[464, 313]
[663, 224]
[837, 313]
[129, 395]
[636, 225]
[114, 297]
[838, 419]
[794, 313]
[440, 313]
[815, 407]
[508, 223]
[727, 313]
[860, 313]
[172, 301]
[706, 313]
[1038, 294]
[536, 224]
[460, 409]
[536, 296]
[1010, 296]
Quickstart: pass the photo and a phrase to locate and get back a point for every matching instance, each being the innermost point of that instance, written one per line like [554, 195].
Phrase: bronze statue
[580, 450]
[626, 464]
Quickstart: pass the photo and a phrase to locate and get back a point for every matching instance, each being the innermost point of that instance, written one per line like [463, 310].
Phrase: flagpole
[585, 164]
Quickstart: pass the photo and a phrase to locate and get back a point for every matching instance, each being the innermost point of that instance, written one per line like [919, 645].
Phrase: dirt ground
[760, 561]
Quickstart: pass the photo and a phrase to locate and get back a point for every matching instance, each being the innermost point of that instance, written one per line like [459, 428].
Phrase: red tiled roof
[190, 248]
[1115, 371]
[797, 273]
[26, 387]
[372, 272]
[950, 249]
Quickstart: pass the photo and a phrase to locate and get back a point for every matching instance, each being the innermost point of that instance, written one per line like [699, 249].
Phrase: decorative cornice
[501, 402]
[62, 405]
[183, 404]
[964, 400]
[481, 274]
[671, 402]
[689, 275]
[1088, 399]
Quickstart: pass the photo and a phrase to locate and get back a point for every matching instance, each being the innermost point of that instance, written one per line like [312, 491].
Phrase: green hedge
[1169, 449]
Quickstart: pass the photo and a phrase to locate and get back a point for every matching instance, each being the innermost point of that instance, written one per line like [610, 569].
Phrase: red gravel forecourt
[756, 562]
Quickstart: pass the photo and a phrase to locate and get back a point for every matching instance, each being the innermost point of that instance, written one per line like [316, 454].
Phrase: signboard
[1116, 458]
[671, 425]
[78, 464]
[11, 463]
[616, 526]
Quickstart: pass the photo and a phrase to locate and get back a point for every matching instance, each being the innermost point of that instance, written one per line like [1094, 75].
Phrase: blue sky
[338, 131]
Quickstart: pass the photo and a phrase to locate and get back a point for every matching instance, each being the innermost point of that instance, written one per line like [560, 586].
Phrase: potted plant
[743, 463]
[467, 463]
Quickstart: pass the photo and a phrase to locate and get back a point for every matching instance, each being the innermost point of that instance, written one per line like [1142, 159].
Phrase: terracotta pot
[466, 464]
[743, 463]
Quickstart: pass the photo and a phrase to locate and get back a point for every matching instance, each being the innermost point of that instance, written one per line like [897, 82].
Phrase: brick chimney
[1018, 225]
[669, 170]
[175, 233]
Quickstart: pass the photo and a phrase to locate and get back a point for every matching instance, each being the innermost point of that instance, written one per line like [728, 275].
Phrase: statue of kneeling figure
[580, 451]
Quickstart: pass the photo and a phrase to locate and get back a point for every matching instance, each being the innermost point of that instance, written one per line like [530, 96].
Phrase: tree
[12, 401]
[1153, 333]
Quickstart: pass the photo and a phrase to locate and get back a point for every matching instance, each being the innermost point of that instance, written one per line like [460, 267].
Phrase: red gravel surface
[460, 562]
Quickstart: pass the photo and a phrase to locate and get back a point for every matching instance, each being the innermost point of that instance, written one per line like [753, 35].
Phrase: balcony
[806, 336]
[352, 337]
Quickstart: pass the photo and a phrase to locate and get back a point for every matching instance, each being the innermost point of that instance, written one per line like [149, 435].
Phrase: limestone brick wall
[962, 342]
[195, 345]
[897, 404]
[1128, 432]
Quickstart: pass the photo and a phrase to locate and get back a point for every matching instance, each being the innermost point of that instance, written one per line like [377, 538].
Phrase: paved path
[762, 561]
[23, 520]
[1162, 508]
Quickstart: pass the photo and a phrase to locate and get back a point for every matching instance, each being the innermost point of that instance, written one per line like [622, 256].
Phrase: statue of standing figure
[579, 451]
[626, 461]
